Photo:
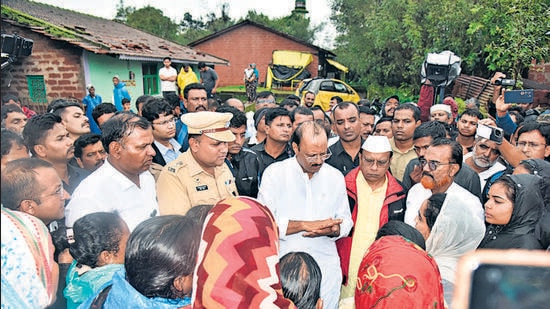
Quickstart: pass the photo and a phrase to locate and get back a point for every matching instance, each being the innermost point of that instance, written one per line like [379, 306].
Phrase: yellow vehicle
[326, 88]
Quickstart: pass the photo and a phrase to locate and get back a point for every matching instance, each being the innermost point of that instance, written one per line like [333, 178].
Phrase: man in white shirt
[168, 76]
[123, 183]
[442, 161]
[309, 202]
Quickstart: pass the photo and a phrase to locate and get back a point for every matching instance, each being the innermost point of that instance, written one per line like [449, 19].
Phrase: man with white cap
[442, 113]
[90, 102]
[375, 197]
[199, 175]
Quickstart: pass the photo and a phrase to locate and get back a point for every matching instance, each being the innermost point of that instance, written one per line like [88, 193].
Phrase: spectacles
[371, 162]
[433, 165]
[170, 121]
[60, 192]
[529, 144]
[266, 101]
[314, 158]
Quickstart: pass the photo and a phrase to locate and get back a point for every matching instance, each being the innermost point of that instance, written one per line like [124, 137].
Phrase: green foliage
[152, 20]
[386, 42]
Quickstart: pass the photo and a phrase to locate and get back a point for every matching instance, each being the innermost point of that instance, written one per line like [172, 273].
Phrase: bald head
[236, 103]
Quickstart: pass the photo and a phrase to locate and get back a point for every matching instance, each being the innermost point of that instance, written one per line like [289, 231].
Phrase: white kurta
[290, 195]
[418, 194]
[108, 190]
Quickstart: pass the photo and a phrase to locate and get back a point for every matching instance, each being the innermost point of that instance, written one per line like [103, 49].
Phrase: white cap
[440, 107]
[377, 144]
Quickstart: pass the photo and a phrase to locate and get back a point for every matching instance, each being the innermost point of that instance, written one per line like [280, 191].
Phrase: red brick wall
[250, 44]
[540, 72]
[57, 61]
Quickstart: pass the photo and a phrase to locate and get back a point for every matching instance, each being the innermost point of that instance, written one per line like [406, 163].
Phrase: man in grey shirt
[209, 78]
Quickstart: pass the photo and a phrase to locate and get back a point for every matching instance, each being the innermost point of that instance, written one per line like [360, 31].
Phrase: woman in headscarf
[29, 272]
[540, 168]
[238, 260]
[396, 273]
[512, 211]
[451, 230]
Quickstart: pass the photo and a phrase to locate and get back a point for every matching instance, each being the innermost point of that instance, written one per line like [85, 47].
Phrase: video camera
[15, 46]
[505, 82]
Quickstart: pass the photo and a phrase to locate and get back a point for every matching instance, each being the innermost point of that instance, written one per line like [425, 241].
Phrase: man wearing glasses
[375, 198]
[309, 202]
[442, 161]
[160, 114]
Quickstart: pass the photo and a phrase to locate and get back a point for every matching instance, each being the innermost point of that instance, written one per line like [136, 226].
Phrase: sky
[319, 10]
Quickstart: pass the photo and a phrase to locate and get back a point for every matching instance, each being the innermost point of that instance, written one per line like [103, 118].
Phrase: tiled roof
[98, 35]
[249, 22]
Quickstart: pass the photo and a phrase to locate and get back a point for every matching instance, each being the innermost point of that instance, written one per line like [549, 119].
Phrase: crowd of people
[186, 204]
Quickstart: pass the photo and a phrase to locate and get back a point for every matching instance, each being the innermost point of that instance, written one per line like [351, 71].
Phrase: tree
[122, 12]
[387, 41]
[152, 20]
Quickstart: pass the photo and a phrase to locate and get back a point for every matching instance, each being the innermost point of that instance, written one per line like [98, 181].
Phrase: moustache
[200, 107]
[316, 165]
[426, 174]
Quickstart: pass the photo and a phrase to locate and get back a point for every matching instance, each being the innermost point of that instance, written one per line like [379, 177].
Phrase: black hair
[435, 203]
[366, 110]
[394, 227]
[273, 113]
[10, 139]
[302, 110]
[294, 98]
[472, 112]
[20, 181]
[93, 234]
[337, 98]
[125, 100]
[410, 106]
[543, 128]
[141, 100]
[6, 98]
[264, 94]
[102, 109]
[198, 213]
[239, 118]
[344, 105]
[201, 65]
[120, 126]
[58, 106]
[83, 141]
[435, 129]
[258, 116]
[9, 108]
[289, 102]
[192, 86]
[456, 149]
[381, 120]
[166, 58]
[159, 250]
[37, 128]
[156, 107]
[393, 97]
[301, 279]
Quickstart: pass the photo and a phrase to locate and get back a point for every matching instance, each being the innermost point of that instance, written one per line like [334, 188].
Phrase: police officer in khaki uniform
[198, 176]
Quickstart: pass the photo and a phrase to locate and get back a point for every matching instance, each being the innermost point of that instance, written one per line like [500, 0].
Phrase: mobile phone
[519, 96]
[494, 134]
[489, 278]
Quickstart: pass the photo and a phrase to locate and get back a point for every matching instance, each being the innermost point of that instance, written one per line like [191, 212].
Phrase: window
[150, 78]
[340, 88]
[37, 88]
